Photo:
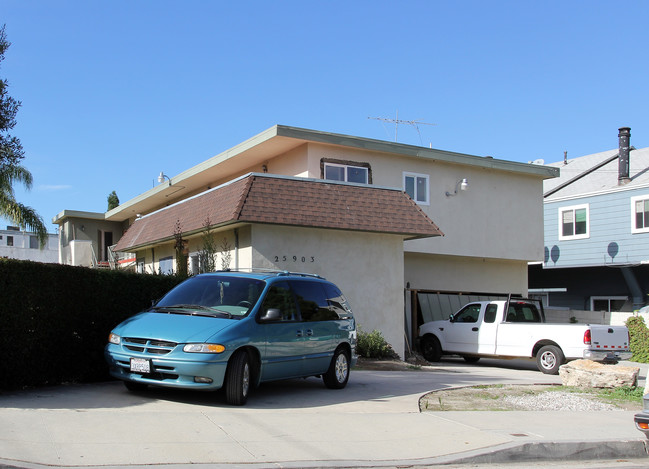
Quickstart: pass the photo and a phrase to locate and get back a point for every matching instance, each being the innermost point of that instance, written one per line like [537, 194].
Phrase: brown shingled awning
[268, 199]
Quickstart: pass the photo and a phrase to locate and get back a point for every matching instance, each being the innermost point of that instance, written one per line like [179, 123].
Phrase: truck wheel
[237, 379]
[431, 349]
[549, 359]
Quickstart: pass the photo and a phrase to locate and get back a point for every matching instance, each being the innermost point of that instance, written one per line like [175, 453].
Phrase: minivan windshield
[212, 295]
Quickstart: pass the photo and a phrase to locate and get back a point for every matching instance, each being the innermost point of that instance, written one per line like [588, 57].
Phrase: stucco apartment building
[401, 229]
[23, 245]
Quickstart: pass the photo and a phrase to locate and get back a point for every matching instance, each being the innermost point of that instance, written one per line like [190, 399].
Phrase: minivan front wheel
[237, 379]
[337, 375]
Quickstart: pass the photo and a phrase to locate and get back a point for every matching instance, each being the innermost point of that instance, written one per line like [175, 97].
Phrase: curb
[554, 451]
[507, 453]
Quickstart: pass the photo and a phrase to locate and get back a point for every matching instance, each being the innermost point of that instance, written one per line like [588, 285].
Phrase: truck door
[462, 332]
[488, 330]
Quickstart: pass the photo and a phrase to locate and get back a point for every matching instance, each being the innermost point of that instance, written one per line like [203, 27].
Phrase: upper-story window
[416, 186]
[640, 214]
[574, 222]
[346, 171]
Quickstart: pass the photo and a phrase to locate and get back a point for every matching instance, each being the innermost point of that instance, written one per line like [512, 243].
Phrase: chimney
[623, 162]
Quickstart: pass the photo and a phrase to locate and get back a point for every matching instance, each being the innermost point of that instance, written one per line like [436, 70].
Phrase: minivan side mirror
[272, 314]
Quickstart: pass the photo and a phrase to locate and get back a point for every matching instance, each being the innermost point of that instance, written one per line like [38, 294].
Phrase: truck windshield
[233, 295]
[523, 312]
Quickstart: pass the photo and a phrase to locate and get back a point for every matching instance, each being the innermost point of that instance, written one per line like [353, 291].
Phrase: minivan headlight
[114, 339]
[204, 348]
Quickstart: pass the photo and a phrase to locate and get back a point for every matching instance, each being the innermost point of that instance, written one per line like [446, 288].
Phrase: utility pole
[396, 121]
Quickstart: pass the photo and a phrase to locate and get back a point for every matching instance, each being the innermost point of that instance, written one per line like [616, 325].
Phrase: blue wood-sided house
[596, 232]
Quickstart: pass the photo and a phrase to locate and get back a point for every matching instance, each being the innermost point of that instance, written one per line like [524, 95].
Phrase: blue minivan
[235, 330]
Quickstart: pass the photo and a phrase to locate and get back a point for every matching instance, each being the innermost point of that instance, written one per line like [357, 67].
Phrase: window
[33, 242]
[10, 240]
[640, 214]
[470, 313]
[490, 313]
[607, 303]
[166, 265]
[573, 222]
[279, 296]
[416, 186]
[345, 171]
[312, 301]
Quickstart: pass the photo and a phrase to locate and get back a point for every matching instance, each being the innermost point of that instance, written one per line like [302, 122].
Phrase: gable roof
[596, 173]
[279, 200]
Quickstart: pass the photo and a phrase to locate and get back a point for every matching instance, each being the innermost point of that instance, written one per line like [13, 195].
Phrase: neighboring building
[23, 245]
[336, 205]
[596, 218]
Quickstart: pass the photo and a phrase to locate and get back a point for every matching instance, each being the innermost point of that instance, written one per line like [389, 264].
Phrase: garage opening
[432, 305]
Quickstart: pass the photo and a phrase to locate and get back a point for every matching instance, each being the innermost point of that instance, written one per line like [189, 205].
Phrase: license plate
[140, 365]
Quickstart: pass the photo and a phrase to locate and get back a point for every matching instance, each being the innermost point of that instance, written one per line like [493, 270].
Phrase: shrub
[55, 319]
[374, 345]
[639, 339]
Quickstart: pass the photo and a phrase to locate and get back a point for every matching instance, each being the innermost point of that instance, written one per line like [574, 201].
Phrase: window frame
[634, 226]
[324, 162]
[574, 209]
[608, 298]
[407, 174]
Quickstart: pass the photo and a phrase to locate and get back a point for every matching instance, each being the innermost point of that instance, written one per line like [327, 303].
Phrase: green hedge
[55, 319]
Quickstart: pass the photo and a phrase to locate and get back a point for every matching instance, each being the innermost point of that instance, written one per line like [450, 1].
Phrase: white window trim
[635, 230]
[418, 175]
[574, 208]
[593, 298]
[346, 166]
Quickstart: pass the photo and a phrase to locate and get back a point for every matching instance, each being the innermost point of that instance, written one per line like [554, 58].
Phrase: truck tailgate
[609, 337]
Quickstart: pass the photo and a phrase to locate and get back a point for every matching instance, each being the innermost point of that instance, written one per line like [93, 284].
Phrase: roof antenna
[396, 121]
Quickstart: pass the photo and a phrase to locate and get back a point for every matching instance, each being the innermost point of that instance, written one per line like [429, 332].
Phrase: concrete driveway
[297, 423]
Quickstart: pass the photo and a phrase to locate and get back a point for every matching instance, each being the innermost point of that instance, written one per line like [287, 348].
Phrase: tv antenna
[396, 121]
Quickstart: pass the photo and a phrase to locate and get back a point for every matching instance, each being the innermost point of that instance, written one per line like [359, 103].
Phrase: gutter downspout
[236, 248]
[634, 287]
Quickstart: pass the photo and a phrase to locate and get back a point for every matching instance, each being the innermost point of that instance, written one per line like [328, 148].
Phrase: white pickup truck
[516, 328]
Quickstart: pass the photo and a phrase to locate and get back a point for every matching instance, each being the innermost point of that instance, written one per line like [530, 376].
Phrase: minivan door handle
[300, 333]
[309, 332]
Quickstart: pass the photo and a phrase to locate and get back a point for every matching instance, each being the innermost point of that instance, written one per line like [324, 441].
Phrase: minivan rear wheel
[237, 379]
[337, 375]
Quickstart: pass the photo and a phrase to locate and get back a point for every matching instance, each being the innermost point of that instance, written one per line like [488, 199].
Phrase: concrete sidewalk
[374, 422]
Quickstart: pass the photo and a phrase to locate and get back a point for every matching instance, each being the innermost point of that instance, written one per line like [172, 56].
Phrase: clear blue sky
[114, 92]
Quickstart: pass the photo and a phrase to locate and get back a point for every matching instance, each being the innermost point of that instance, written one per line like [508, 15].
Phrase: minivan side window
[337, 302]
[312, 301]
[279, 296]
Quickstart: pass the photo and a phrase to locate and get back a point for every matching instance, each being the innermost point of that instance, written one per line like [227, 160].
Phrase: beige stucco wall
[368, 268]
[500, 216]
[464, 274]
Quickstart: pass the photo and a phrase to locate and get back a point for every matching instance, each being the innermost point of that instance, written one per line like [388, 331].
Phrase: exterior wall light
[462, 184]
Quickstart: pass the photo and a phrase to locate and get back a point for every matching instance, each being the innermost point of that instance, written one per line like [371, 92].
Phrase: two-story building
[405, 231]
[596, 231]
[23, 245]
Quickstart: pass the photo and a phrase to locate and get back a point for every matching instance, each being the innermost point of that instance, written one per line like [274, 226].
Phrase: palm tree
[11, 171]
[17, 213]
